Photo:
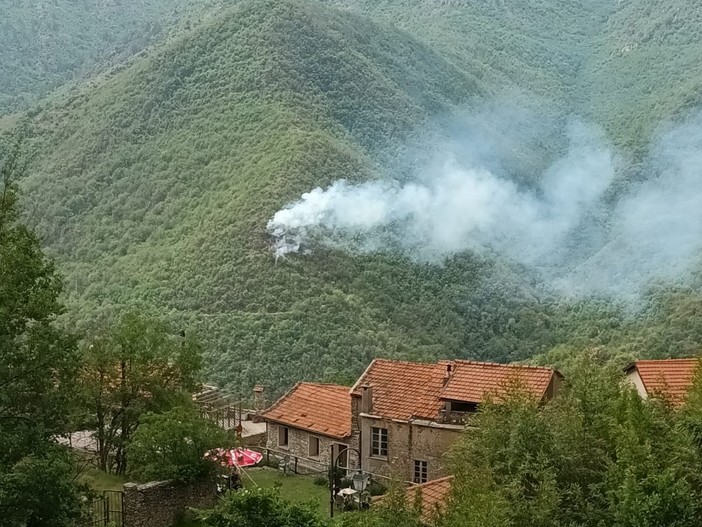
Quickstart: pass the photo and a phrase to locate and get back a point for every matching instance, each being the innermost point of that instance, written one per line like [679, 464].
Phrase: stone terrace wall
[160, 503]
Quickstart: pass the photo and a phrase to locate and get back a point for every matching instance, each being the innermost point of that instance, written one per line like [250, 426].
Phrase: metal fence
[106, 510]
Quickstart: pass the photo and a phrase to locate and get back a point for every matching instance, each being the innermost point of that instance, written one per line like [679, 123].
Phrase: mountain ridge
[153, 189]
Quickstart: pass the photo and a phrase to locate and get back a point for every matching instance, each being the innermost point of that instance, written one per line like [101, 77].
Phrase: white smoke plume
[566, 226]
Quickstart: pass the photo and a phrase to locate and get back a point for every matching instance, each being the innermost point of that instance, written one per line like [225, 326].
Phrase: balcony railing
[455, 418]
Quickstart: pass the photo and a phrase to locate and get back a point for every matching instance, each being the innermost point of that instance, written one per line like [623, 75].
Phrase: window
[459, 406]
[343, 456]
[314, 446]
[283, 436]
[420, 471]
[379, 442]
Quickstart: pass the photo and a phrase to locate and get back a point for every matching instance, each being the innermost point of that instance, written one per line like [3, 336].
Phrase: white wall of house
[634, 378]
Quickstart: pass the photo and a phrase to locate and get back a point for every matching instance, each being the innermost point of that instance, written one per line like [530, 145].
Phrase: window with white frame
[283, 436]
[379, 442]
[420, 471]
[314, 446]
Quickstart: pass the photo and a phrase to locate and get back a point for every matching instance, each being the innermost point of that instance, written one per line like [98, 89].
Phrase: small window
[379, 442]
[283, 436]
[460, 406]
[342, 456]
[420, 471]
[314, 446]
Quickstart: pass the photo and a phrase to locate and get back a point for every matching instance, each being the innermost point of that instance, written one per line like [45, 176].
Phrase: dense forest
[151, 184]
[46, 43]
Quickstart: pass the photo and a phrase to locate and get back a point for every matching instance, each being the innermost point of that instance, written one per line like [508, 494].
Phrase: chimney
[259, 399]
[366, 399]
[448, 372]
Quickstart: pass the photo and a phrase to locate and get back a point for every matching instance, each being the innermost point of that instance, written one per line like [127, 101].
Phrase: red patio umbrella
[236, 457]
[243, 457]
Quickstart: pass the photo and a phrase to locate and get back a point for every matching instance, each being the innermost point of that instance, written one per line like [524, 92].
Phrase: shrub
[171, 446]
[321, 481]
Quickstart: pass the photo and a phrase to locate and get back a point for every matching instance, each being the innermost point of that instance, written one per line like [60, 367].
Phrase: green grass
[99, 480]
[296, 489]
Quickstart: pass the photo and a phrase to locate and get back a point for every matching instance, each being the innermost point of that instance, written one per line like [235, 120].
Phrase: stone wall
[408, 442]
[160, 503]
[299, 446]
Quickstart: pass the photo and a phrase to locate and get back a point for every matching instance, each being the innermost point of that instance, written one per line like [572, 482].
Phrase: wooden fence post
[106, 508]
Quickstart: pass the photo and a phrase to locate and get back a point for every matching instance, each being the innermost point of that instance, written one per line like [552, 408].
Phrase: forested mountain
[153, 185]
[643, 68]
[48, 42]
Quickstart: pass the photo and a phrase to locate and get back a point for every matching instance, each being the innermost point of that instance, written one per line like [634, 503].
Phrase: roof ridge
[325, 384]
[672, 359]
[397, 361]
[503, 364]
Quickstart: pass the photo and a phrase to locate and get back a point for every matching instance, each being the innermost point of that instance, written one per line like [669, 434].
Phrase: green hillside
[152, 186]
[46, 43]
[538, 46]
[200, 144]
[644, 68]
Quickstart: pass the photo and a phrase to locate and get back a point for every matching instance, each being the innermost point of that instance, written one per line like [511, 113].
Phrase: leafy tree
[38, 362]
[691, 412]
[259, 508]
[130, 368]
[42, 490]
[171, 446]
[596, 455]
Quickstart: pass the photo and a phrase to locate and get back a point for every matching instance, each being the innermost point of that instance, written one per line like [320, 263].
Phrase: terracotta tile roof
[472, 381]
[671, 377]
[434, 495]
[321, 408]
[403, 390]
[406, 390]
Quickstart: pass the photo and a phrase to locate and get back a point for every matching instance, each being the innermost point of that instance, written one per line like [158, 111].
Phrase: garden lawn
[296, 489]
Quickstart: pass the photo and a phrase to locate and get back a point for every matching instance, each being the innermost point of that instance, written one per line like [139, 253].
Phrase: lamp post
[359, 479]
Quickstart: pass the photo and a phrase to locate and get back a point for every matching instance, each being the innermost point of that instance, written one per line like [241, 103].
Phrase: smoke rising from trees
[584, 224]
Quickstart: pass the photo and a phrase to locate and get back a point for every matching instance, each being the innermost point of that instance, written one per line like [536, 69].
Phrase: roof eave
[308, 430]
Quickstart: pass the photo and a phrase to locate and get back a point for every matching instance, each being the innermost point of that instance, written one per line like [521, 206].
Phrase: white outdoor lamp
[360, 481]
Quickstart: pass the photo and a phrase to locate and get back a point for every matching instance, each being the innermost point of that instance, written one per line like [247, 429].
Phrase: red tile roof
[321, 408]
[434, 495]
[403, 390]
[406, 390]
[671, 377]
[473, 381]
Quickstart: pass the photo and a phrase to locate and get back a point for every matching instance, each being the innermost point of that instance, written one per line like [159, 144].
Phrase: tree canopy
[38, 363]
[161, 203]
[131, 367]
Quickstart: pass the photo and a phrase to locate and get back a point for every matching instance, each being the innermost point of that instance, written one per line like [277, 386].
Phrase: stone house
[407, 415]
[669, 378]
[312, 422]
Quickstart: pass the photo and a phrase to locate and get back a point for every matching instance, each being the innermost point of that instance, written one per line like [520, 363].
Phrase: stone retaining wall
[160, 503]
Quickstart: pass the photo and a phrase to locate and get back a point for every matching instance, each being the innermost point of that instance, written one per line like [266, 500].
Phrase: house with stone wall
[312, 422]
[406, 415]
